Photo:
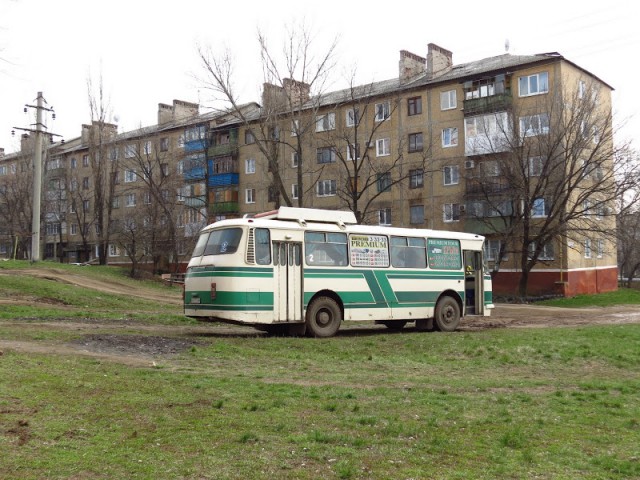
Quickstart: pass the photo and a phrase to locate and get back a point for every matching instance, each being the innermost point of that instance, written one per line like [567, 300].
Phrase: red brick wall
[549, 283]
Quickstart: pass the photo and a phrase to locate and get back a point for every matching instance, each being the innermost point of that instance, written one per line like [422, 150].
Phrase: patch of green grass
[427, 406]
[622, 296]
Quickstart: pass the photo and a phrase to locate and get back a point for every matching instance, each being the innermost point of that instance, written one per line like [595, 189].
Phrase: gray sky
[146, 51]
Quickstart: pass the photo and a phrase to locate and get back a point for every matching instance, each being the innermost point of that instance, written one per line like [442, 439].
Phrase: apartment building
[435, 147]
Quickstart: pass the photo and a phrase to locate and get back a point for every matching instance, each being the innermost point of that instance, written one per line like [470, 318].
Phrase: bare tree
[547, 174]
[104, 164]
[16, 204]
[292, 90]
[628, 217]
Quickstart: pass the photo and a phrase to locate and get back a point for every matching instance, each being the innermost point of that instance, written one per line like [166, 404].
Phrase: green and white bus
[302, 270]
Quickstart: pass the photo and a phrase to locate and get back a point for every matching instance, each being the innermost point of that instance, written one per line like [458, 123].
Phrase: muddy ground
[144, 344]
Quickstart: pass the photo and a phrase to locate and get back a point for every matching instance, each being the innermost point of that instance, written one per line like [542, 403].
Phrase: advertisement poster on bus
[369, 251]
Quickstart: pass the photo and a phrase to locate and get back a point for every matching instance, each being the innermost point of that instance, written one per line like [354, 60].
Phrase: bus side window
[263, 246]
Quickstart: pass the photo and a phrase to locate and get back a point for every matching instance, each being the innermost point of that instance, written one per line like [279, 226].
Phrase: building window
[326, 155]
[294, 159]
[249, 138]
[131, 200]
[129, 176]
[326, 122]
[383, 147]
[85, 183]
[416, 178]
[164, 144]
[534, 84]
[295, 127]
[147, 147]
[74, 163]
[115, 202]
[146, 198]
[450, 137]
[533, 125]
[353, 152]
[130, 150]
[86, 205]
[352, 117]
[582, 88]
[326, 188]
[384, 182]
[414, 106]
[546, 253]
[250, 165]
[448, 100]
[539, 208]
[294, 191]
[113, 250]
[250, 195]
[384, 216]
[600, 247]
[416, 214]
[85, 160]
[383, 111]
[74, 229]
[536, 164]
[587, 248]
[415, 142]
[451, 175]
[492, 250]
[451, 212]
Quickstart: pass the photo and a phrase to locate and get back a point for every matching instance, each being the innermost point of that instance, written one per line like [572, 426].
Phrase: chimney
[297, 92]
[439, 60]
[178, 111]
[1, 152]
[410, 65]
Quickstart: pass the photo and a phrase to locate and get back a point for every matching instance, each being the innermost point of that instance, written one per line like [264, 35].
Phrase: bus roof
[331, 221]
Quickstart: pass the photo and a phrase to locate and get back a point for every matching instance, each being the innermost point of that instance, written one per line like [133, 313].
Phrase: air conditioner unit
[469, 164]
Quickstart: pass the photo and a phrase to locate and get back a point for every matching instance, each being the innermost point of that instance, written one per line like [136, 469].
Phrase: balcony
[195, 173]
[476, 186]
[195, 202]
[223, 149]
[493, 103]
[195, 145]
[224, 179]
[223, 207]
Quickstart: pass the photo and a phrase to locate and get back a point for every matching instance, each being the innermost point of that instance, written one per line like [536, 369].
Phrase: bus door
[473, 283]
[287, 275]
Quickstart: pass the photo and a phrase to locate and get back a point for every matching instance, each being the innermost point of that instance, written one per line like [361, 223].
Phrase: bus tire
[323, 318]
[447, 315]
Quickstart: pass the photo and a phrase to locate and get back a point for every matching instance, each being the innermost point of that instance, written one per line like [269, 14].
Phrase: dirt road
[145, 344]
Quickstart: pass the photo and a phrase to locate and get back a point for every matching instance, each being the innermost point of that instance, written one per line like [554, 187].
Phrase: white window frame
[352, 148]
[351, 117]
[451, 212]
[130, 200]
[249, 195]
[250, 166]
[295, 127]
[451, 175]
[130, 150]
[383, 147]
[600, 248]
[587, 248]
[383, 111]
[130, 176]
[534, 125]
[326, 188]
[535, 166]
[384, 216]
[326, 122]
[532, 87]
[113, 250]
[294, 191]
[448, 100]
[294, 159]
[545, 254]
[535, 208]
[449, 137]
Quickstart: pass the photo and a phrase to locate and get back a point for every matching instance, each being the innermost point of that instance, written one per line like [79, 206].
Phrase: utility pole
[37, 171]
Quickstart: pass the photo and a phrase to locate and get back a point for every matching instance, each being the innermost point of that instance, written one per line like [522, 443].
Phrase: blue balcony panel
[194, 174]
[224, 179]
[195, 146]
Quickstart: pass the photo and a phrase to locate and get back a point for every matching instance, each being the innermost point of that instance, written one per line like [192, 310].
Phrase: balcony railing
[223, 179]
[485, 187]
[224, 149]
[493, 103]
[223, 207]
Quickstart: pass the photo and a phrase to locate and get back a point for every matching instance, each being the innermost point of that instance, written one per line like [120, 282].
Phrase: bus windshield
[218, 242]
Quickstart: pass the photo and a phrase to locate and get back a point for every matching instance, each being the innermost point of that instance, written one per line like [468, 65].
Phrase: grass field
[555, 403]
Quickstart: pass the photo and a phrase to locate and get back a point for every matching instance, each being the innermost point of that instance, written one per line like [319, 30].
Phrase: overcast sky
[146, 51]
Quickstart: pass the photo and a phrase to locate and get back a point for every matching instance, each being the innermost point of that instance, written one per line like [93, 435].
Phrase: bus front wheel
[323, 317]
[447, 314]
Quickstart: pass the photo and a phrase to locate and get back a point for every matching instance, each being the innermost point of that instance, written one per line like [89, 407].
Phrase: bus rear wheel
[323, 318]
[447, 314]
